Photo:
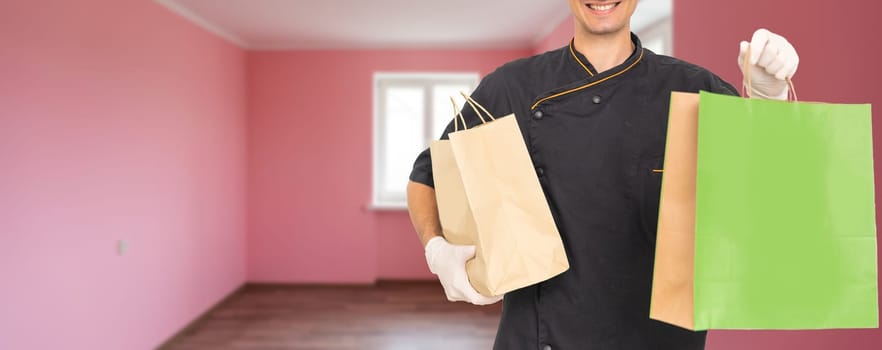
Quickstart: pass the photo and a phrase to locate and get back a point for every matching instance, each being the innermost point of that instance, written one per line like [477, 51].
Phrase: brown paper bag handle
[745, 85]
[475, 105]
[459, 115]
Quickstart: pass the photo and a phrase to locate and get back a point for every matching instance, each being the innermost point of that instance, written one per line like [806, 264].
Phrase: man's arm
[445, 260]
[423, 211]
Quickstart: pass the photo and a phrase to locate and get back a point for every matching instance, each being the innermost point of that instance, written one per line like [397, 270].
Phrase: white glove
[448, 261]
[772, 60]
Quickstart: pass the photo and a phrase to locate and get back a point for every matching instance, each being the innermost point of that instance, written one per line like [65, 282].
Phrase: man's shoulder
[527, 67]
[675, 69]
[673, 63]
[518, 80]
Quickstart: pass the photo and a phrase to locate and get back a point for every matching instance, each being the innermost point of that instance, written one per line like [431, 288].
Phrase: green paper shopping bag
[785, 234]
[766, 218]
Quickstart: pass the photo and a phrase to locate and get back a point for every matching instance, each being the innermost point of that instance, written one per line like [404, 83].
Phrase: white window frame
[384, 80]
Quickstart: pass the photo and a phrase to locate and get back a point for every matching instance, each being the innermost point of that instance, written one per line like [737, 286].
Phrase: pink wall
[310, 165]
[121, 120]
[838, 64]
[118, 120]
[556, 39]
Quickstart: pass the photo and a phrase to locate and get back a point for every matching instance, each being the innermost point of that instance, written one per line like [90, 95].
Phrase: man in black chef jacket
[593, 115]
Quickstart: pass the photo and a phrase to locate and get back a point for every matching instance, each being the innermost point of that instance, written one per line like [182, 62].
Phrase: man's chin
[605, 31]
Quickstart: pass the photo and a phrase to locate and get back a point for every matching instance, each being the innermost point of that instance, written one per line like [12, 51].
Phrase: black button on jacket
[595, 139]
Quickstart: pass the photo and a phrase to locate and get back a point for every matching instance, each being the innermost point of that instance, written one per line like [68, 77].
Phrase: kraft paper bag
[674, 250]
[782, 214]
[517, 241]
[457, 223]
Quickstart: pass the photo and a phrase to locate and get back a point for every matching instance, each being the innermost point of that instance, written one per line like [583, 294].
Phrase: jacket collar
[584, 64]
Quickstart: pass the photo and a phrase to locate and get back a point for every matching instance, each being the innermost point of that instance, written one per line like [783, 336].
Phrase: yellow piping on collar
[589, 84]
[573, 52]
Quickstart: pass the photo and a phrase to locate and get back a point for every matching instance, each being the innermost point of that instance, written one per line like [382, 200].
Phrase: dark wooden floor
[388, 316]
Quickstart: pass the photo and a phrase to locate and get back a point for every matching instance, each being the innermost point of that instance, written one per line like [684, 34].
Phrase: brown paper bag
[672, 285]
[517, 241]
[457, 222]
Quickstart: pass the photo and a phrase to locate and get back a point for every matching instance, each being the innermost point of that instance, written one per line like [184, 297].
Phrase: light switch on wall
[122, 247]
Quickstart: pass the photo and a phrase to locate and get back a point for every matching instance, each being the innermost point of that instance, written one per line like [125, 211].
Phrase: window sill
[386, 207]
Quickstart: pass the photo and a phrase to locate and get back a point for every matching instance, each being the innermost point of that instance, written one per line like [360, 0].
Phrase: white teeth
[602, 7]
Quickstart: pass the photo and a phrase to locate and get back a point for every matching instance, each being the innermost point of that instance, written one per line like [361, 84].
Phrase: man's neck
[604, 51]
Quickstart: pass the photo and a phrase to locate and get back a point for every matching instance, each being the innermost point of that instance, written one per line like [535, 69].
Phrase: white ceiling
[385, 24]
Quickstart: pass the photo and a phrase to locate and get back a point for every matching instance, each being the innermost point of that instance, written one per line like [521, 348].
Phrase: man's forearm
[423, 211]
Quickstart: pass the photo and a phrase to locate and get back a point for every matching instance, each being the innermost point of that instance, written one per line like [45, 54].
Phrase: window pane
[442, 110]
[403, 137]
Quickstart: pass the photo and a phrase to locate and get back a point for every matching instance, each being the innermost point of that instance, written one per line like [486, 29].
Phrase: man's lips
[602, 8]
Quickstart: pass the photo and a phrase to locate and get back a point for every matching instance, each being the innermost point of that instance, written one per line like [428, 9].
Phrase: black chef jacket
[595, 140]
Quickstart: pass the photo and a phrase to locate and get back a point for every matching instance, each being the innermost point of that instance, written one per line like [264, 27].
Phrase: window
[410, 110]
[657, 37]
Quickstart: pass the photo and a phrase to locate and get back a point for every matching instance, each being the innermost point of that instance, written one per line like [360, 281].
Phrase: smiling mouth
[603, 7]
